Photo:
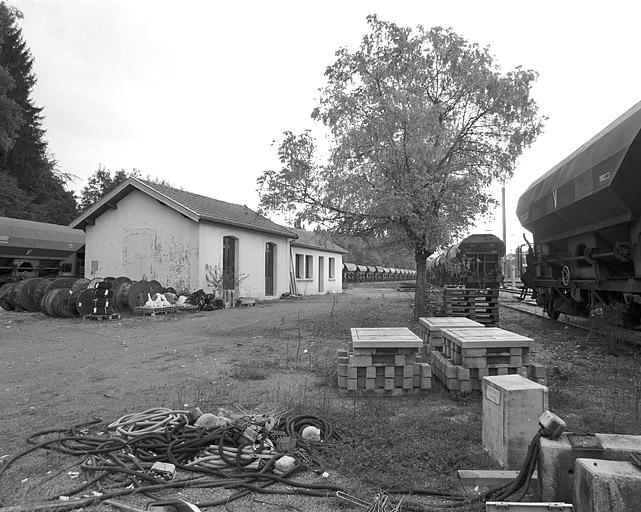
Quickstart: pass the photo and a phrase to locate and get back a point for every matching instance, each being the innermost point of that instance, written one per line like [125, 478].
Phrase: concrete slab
[558, 457]
[606, 486]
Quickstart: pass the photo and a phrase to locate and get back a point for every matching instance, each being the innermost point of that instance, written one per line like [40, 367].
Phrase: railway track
[612, 334]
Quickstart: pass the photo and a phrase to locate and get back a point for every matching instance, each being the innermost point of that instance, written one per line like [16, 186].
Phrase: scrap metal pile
[161, 449]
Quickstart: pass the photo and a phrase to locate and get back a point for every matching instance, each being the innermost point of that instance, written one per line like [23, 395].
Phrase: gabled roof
[193, 206]
[315, 241]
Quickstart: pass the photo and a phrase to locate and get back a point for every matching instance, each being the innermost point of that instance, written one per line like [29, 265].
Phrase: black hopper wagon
[38, 249]
[474, 262]
[585, 217]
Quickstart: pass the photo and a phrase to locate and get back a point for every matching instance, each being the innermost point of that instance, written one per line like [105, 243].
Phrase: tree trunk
[421, 283]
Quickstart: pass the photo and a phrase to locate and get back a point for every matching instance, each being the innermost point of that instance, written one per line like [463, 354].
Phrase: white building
[144, 230]
[317, 264]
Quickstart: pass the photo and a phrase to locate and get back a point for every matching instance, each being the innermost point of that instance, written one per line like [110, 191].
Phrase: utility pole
[504, 230]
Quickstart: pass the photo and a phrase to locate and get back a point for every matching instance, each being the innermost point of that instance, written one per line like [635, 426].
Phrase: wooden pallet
[164, 310]
[100, 318]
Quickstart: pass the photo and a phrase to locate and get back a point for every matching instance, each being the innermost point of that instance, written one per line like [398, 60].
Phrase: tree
[23, 150]
[422, 122]
[101, 182]
[14, 202]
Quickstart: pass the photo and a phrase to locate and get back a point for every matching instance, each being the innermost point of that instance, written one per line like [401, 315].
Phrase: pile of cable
[162, 448]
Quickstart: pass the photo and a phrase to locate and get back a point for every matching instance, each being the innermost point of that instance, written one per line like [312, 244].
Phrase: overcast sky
[195, 92]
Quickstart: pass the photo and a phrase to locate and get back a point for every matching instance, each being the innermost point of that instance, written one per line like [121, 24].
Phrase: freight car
[475, 262]
[585, 217]
[38, 249]
[353, 273]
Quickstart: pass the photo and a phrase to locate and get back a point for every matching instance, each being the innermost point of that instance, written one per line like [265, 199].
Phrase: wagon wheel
[565, 275]
[553, 313]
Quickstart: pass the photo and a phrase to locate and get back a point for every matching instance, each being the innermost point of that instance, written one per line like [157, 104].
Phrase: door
[321, 274]
[270, 250]
[229, 263]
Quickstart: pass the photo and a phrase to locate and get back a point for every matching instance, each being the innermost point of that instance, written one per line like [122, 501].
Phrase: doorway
[270, 261]
[229, 263]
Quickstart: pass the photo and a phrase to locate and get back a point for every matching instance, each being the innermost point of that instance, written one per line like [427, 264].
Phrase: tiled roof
[208, 208]
[194, 206]
[315, 241]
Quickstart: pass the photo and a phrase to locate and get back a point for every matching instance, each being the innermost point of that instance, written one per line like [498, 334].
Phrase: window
[332, 268]
[300, 263]
[309, 264]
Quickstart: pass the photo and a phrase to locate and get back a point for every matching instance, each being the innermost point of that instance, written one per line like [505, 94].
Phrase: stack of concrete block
[470, 354]
[383, 367]
[431, 328]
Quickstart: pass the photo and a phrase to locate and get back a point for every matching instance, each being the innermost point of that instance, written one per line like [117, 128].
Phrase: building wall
[142, 238]
[309, 285]
[250, 247]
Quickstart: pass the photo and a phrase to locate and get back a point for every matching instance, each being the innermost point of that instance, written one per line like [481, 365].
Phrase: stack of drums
[97, 301]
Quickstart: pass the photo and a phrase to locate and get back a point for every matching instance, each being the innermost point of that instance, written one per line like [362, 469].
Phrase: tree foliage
[422, 122]
[24, 155]
[101, 182]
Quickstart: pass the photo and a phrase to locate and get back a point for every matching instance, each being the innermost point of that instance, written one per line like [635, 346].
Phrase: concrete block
[360, 360]
[558, 457]
[343, 370]
[408, 382]
[399, 360]
[389, 383]
[606, 486]
[426, 382]
[462, 373]
[408, 370]
[384, 359]
[342, 382]
[389, 372]
[465, 386]
[370, 372]
[352, 372]
[425, 369]
[488, 477]
[352, 385]
[511, 405]
[370, 383]
[416, 381]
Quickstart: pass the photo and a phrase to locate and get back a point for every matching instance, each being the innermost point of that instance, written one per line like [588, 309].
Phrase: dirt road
[60, 371]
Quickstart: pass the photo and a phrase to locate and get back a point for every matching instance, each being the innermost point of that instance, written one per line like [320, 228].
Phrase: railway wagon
[585, 217]
[475, 262]
[39, 249]
[354, 273]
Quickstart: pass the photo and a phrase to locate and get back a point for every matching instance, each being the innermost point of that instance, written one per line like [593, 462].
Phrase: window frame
[309, 266]
[299, 265]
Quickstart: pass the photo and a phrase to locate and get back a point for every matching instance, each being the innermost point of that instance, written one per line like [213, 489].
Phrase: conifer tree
[23, 150]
